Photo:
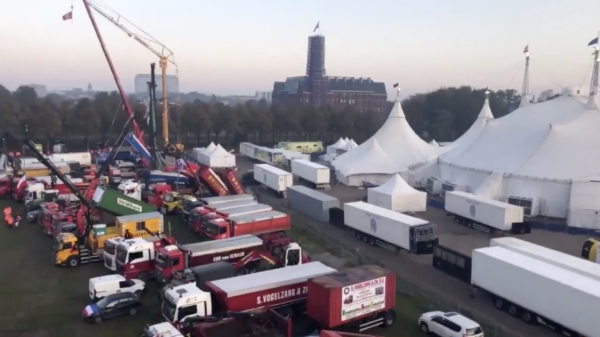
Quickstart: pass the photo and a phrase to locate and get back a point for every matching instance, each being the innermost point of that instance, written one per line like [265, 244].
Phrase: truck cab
[195, 219]
[57, 219]
[65, 249]
[156, 193]
[186, 301]
[135, 258]
[184, 200]
[64, 227]
[131, 188]
[170, 202]
[188, 206]
[164, 329]
[110, 248]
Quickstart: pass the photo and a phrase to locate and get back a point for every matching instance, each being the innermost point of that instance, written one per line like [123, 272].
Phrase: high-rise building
[141, 83]
[318, 89]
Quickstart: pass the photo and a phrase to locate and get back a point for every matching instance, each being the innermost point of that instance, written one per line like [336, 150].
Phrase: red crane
[136, 129]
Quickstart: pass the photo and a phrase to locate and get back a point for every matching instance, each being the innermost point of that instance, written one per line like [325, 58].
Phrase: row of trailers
[530, 282]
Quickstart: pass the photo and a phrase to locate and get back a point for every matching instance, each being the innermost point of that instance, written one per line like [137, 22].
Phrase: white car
[449, 324]
[102, 286]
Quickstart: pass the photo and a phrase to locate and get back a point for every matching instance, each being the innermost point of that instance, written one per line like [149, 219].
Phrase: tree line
[442, 115]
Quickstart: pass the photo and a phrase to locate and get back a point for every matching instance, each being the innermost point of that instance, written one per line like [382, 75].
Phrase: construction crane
[165, 55]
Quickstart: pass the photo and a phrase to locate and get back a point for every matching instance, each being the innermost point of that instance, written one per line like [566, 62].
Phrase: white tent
[434, 143]
[218, 157]
[398, 196]
[339, 145]
[584, 203]
[539, 149]
[351, 145]
[397, 141]
[483, 118]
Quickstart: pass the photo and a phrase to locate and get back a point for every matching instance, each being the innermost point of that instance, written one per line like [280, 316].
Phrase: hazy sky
[239, 47]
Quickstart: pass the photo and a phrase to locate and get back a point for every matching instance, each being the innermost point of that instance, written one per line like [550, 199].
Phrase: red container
[350, 294]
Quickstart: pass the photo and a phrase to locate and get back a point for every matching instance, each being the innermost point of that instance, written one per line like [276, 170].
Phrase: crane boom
[138, 133]
[164, 60]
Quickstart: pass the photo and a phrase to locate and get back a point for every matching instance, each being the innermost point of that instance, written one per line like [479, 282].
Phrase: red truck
[156, 193]
[245, 251]
[195, 220]
[270, 225]
[277, 288]
[358, 298]
[136, 257]
[204, 230]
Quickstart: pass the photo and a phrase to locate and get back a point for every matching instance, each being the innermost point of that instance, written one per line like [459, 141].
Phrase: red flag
[68, 16]
[526, 50]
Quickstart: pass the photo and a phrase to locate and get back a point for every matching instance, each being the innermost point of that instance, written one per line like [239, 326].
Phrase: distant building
[317, 89]
[141, 83]
[266, 95]
[90, 89]
[40, 89]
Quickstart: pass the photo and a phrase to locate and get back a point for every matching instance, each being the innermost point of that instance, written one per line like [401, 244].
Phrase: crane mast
[163, 63]
[138, 133]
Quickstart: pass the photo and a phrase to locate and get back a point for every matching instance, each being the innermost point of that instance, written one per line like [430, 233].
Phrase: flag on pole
[316, 27]
[396, 85]
[593, 42]
[68, 16]
[526, 50]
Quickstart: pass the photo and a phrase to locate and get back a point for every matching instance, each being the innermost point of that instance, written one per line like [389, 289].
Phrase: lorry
[200, 275]
[358, 298]
[140, 225]
[117, 203]
[277, 288]
[33, 189]
[207, 215]
[67, 252]
[551, 256]
[195, 219]
[273, 178]
[316, 175]
[173, 201]
[485, 214]
[231, 180]
[269, 225]
[543, 293]
[382, 227]
[248, 249]
[135, 258]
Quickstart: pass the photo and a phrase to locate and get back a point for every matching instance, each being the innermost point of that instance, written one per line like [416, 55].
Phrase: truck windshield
[168, 197]
[121, 254]
[168, 310]
[109, 247]
[211, 228]
[162, 260]
[194, 216]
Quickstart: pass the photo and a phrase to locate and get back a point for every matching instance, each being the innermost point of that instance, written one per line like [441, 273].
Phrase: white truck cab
[164, 329]
[110, 252]
[102, 286]
[184, 301]
[131, 252]
[131, 188]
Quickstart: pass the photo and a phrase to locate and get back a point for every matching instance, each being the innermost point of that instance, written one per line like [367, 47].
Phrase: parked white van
[102, 286]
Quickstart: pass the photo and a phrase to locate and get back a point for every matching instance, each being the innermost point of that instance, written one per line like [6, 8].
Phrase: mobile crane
[165, 56]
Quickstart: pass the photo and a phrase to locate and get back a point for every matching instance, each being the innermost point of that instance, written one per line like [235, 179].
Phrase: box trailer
[317, 175]
[247, 149]
[389, 229]
[211, 201]
[485, 214]
[363, 298]
[268, 289]
[562, 260]
[222, 207]
[273, 178]
[536, 291]
[312, 203]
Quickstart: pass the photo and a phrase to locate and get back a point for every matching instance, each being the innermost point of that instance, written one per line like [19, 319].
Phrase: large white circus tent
[395, 148]
[533, 154]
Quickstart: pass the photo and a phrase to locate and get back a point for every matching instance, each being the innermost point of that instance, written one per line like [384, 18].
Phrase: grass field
[38, 299]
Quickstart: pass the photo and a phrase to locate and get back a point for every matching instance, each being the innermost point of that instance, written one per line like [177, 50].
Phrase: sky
[239, 47]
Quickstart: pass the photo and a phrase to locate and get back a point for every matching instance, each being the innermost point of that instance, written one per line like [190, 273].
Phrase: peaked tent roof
[554, 139]
[397, 140]
[434, 143]
[395, 186]
[484, 117]
[379, 162]
[219, 151]
[210, 147]
[354, 144]
[339, 144]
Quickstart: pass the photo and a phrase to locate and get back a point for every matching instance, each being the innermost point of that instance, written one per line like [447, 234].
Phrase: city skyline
[236, 50]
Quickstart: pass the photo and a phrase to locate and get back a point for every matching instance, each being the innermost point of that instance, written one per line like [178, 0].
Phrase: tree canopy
[443, 115]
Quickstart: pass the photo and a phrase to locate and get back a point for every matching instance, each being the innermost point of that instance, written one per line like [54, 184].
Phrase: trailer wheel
[389, 318]
[513, 310]
[499, 303]
[142, 277]
[527, 317]
[72, 262]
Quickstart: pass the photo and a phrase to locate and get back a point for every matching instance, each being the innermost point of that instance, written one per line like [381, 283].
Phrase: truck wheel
[142, 277]
[425, 328]
[72, 262]
[499, 303]
[527, 317]
[389, 318]
[513, 310]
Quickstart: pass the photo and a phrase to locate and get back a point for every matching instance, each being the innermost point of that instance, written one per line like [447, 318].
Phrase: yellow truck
[68, 252]
[173, 202]
[182, 200]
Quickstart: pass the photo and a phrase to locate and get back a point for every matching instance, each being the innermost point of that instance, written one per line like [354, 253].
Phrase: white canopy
[396, 140]
[484, 117]
[351, 145]
[539, 149]
[398, 196]
[218, 157]
[339, 145]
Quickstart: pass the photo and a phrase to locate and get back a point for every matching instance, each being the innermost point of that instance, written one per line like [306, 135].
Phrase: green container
[119, 204]
[100, 229]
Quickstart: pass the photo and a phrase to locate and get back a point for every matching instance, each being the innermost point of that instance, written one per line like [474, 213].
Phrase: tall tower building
[315, 70]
